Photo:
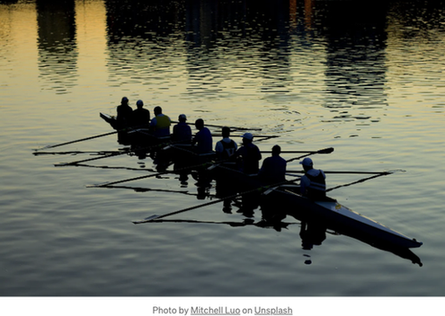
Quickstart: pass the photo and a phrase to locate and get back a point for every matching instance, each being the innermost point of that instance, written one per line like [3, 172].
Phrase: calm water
[365, 79]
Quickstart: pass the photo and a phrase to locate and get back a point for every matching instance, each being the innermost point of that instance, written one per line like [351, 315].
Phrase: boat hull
[280, 202]
[342, 219]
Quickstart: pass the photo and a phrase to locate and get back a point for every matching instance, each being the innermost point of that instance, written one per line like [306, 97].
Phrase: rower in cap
[313, 183]
[182, 133]
[249, 155]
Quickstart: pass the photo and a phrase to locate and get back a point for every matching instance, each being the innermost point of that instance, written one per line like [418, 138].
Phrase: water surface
[365, 78]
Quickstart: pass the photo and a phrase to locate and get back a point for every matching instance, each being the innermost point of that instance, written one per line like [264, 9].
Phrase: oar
[107, 156]
[105, 184]
[321, 151]
[256, 136]
[360, 181]
[260, 224]
[233, 128]
[74, 152]
[382, 173]
[89, 159]
[115, 168]
[258, 189]
[78, 140]
[140, 189]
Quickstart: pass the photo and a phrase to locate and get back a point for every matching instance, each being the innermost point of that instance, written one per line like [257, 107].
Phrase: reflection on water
[214, 50]
[355, 56]
[57, 44]
[311, 68]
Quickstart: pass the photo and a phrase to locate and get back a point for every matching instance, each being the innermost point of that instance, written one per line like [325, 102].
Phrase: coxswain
[182, 133]
[140, 116]
[160, 124]
[226, 148]
[313, 183]
[203, 138]
[124, 114]
[273, 170]
[248, 155]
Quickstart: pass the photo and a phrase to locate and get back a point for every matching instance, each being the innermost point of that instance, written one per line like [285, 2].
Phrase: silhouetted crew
[124, 114]
[160, 124]
[226, 147]
[273, 169]
[249, 155]
[313, 183]
[182, 133]
[140, 116]
[203, 138]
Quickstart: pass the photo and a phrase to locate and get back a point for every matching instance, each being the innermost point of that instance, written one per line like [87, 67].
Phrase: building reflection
[57, 47]
[356, 39]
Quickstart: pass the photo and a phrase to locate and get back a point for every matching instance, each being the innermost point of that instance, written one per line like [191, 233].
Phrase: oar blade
[326, 150]
[146, 220]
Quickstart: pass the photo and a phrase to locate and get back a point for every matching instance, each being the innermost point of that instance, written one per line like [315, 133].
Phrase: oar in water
[140, 189]
[328, 150]
[382, 173]
[110, 155]
[75, 152]
[376, 175]
[232, 128]
[258, 189]
[256, 136]
[105, 184]
[308, 153]
[78, 140]
[89, 159]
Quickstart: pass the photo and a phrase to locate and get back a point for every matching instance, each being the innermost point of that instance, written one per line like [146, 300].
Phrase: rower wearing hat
[249, 155]
[182, 133]
[313, 183]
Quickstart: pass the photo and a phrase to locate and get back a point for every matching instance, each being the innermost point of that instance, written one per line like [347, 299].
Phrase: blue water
[365, 79]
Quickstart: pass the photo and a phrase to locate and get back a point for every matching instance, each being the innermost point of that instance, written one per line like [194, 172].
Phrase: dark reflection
[56, 44]
[314, 229]
[140, 34]
[246, 39]
[355, 34]
[418, 18]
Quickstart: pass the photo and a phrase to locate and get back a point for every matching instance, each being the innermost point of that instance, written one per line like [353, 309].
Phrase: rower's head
[124, 101]
[199, 124]
[182, 118]
[247, 138]
[225, 131]
[157, 110]
[307, 164]
[276, 150]
[139, 104]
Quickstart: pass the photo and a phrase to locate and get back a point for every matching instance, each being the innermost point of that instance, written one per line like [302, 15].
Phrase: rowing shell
[344, 220]
[333, 214]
